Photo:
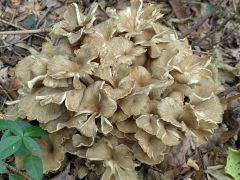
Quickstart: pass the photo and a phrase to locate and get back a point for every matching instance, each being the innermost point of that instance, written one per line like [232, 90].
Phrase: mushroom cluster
[120, 93]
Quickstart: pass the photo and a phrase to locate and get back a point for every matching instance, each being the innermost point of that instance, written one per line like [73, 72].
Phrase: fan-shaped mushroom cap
[23, 70]
[140, 155]
[31, 108]
[52, 152]
[117, 159]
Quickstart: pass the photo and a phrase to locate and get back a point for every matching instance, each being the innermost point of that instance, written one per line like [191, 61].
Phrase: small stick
[213, 31]
[6, 93]
[34, 31]
[199, 23]
[16, 171]
[225, 37]
[44, 16]
[11, 24]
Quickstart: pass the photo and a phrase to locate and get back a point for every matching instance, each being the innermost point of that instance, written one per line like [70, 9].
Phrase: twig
[39, 22]
[33, 31]
[5, 92]
[213, 31]
[180, 11]
[43, 17]
[9, 45]
[182, 20]
[16, 171]
[199, 23]
[11, 24]
[225, 37]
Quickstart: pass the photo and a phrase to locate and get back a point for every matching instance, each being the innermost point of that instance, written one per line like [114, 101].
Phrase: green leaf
[209, 9]
[14, 177]
[13, 126]
[35, 132]
[233, 163]
[6, 133]
[22, 151]
[3, 168]
[29, 22]
[24, 125]
[32, 145]
[9, 145]
[34, 167]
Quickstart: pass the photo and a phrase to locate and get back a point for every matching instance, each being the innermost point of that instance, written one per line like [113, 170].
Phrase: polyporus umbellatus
[127, 88]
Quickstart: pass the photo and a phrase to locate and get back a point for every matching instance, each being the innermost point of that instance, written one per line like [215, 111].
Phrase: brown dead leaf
[11, 86]
[147, 173]
[181, 12]
[71, 171]
[14, 3]
[205, 27]
[177, 156]
[216, 173]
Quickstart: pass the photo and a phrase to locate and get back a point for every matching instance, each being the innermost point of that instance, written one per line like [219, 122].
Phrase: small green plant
[233, 163]
[18, 140]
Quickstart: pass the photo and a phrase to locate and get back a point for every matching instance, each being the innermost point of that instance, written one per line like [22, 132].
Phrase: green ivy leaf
[3, 168]
[34, 167]
[24, 125]
[32, 145]
[233, 163]
[14, 177]
[9, 145]
[35, 132]
[13, 126]
[6, 133]
[22, 151]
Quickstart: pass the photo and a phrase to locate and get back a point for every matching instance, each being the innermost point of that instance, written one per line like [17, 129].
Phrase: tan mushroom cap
[52, 152]
[31, 108]
[70, 148]
[74, 19]
[135, 105]
[107, 105]
[140, 155]
[170, 110]
[148, 123]
[61, 67]
[62, 47]
[121, 51]
[150, 144]
[57, 124]
[117, 159]
[90, 100]
[118, 116]
[23, 70]
[55, 83]
[106, 126]
[127, 126]
[79, 140]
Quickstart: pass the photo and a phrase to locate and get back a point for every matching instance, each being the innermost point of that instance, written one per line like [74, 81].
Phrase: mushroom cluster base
[118, 94]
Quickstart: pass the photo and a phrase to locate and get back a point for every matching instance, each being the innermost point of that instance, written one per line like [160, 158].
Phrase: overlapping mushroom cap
[126, 88]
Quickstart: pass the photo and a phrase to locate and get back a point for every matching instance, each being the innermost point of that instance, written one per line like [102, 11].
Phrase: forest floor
[212, 27]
